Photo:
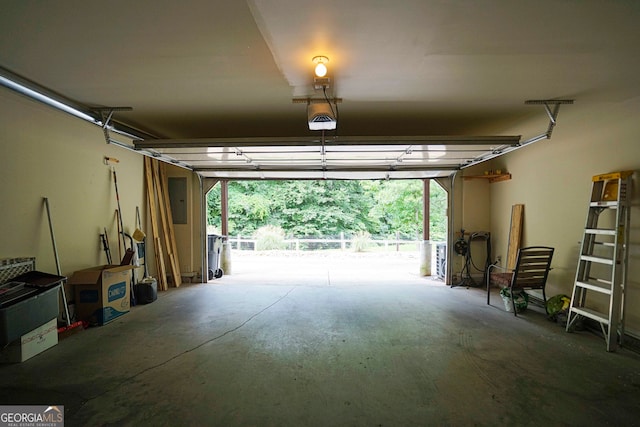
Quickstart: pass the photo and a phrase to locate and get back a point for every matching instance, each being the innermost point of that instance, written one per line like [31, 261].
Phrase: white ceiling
[208, 74]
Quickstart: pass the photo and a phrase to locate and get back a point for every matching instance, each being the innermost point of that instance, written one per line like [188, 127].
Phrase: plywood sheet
[515, 235]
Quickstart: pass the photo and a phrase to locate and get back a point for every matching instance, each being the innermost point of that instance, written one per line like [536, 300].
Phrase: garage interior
[546, 92]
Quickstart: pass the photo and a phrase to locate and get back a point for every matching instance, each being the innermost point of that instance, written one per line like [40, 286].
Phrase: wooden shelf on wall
[491, 178]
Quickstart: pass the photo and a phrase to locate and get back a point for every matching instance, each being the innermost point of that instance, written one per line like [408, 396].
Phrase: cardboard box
[102, 293]
[31, 343]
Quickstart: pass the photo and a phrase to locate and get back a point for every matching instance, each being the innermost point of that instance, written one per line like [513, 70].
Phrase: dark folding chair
[531, 271]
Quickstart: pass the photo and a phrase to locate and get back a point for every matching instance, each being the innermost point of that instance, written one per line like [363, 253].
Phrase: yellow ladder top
[612, 175]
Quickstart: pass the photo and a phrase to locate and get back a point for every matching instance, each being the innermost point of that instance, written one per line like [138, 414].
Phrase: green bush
[270, 237]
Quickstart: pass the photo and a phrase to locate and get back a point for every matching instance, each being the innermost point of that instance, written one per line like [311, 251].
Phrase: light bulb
[321, 70]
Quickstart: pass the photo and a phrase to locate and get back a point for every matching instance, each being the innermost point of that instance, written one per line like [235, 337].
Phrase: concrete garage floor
[327, 349]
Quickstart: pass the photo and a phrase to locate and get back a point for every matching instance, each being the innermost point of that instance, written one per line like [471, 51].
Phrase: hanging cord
[488, 261]
[334, 112]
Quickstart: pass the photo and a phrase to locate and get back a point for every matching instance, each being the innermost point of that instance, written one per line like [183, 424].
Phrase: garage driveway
[326, 268]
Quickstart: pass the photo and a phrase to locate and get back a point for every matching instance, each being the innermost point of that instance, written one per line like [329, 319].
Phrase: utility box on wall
[186, 228]
[178, 199]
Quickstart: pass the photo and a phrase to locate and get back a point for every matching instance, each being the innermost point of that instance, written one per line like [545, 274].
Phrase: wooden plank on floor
[515, 235]
[157, 247]
[162, 269]
[177, 280]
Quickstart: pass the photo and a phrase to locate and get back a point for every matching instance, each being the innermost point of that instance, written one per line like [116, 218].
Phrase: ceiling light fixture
[321, 67]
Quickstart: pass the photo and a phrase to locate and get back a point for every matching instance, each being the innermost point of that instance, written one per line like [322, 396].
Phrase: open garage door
[328, 231]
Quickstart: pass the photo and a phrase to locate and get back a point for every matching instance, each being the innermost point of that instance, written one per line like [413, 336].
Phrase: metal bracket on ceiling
[553, 116]
[553, 119]
[106, 114]
[84, 112]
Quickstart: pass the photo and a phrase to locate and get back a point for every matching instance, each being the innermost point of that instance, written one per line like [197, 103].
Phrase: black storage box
[23, 316]
[146, 291]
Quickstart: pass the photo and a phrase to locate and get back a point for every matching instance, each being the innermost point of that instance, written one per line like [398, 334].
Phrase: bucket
[521, 300]
[146, 290]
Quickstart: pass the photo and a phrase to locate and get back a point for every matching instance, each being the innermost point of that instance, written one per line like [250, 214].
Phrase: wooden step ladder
[604, 254]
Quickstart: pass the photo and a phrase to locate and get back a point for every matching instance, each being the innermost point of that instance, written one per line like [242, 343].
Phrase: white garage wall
[552, 178]
[44, 152]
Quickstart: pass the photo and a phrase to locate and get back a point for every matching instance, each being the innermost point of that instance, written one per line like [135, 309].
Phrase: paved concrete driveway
[326, 268]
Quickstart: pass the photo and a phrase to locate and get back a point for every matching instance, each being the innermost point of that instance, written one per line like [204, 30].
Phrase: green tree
[398, 207]
[326, 208]
[321, 208]
[437, 213]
